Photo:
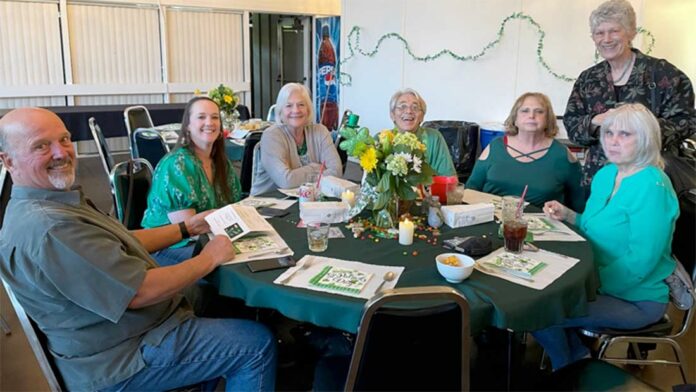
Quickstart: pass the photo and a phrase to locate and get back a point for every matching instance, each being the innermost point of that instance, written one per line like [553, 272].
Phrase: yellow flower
[421, 146]
[386, 136]
[227, 98]
[196, 92]
[368, 160]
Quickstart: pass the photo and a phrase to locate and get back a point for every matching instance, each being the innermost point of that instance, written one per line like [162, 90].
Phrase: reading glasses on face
[404, 107]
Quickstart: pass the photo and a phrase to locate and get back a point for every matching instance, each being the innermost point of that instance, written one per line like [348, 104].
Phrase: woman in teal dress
[528, 155]
[196, 176]
[629, 221]
[407, 109]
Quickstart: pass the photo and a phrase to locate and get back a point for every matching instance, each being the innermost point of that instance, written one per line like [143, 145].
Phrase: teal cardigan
[631, 233]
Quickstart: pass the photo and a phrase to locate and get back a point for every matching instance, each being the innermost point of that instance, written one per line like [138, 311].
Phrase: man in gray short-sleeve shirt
[114, 319]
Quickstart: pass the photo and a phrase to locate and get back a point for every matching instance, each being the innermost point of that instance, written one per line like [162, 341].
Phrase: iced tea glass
[514, 233]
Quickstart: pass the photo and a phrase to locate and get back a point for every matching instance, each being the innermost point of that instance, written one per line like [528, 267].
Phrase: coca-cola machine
[327, 33]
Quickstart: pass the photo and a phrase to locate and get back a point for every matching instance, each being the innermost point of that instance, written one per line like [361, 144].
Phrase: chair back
[423, 345]
[130, 182]
[136, 117]
[38, 343]
[243, 112]
[149, 144]
[271, 114]
[5, 191]
[102, 148]
[256, 161]
[462, 139]
[247, 168]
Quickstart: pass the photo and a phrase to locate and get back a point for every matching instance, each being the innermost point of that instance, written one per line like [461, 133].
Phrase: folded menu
[341, 279]
[516, 264]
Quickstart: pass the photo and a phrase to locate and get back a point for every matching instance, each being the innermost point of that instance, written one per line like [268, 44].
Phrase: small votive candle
[348, 196]
[406, 232]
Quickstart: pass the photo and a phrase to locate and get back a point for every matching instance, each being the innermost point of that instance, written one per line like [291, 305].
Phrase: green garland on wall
[354, 48]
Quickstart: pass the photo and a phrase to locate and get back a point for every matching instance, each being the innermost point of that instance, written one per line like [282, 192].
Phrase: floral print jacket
[655, 83]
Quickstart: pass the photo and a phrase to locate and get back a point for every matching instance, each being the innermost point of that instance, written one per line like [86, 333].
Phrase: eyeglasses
[414, 108]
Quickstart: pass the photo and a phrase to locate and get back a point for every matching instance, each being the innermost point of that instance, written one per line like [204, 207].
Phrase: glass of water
[318, 236]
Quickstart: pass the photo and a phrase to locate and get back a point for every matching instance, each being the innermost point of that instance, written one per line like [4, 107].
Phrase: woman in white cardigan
[293, 150]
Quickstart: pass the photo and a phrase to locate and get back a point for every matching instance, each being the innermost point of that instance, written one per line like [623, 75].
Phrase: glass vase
[388, 217]
[230, 119]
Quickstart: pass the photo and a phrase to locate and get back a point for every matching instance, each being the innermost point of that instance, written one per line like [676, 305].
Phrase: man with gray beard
[114, 319]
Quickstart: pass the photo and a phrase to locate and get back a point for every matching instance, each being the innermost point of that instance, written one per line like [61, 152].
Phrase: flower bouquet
[394, 163]
[226, 99]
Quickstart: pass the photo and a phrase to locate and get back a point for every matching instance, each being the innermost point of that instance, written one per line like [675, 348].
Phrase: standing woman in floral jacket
[626, 76]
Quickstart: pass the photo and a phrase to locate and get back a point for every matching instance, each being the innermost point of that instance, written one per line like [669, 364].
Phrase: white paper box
[333, 186]
[323, 211]
[461, 215]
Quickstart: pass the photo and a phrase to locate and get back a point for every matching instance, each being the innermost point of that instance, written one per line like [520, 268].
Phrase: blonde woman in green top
[629, 221]
[196, 176]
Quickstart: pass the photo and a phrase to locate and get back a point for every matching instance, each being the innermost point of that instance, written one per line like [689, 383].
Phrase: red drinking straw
[518, 213]
[321, 171]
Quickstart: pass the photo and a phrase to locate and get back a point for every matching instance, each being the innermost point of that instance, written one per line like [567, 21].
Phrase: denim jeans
[564, 346]
[171, 256]
[200, 350]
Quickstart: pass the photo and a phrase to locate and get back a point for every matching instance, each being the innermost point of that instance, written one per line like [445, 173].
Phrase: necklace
[626, 68]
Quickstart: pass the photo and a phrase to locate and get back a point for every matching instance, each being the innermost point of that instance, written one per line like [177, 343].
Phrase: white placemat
[316, 263]
[558, 232]
[557, 265]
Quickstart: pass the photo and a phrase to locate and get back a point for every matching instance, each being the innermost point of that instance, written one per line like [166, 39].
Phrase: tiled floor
[19, 370]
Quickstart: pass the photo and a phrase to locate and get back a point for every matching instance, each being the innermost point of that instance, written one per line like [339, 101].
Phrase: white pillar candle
[406, 232]
[348, 197]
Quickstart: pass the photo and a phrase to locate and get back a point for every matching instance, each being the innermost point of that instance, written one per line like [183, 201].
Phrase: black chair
[462, 139]
[414, 338]
[136, 117]
[643, 339]
[130, 182]
[38, 343]
[149, 144]
[247, 168]
[5, 190]
[243, 112]
[102, 148]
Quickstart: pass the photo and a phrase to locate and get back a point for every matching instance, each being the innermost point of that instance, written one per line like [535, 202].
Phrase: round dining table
[493, 301]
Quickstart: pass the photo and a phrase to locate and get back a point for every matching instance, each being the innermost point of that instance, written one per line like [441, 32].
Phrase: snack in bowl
[454, 267]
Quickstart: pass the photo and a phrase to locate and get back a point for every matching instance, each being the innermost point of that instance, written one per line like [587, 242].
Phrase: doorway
[281, 52]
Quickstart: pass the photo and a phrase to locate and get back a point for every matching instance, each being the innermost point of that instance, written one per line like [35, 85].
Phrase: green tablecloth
[233, 150]
[493, 301]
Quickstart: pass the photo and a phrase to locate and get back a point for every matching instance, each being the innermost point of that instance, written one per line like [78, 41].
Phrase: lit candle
[348, 197]
[406, 232]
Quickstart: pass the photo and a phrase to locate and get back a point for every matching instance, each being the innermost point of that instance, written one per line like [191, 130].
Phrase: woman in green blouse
[196, 176]
[629, 221]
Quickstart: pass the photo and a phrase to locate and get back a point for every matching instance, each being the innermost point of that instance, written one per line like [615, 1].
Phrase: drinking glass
[514, 233]
[509, 207]
[318, 236]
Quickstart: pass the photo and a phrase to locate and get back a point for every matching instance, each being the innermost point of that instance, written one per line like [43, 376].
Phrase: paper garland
[354, 48]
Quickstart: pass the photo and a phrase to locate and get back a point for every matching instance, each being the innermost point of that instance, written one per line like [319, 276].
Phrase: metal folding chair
[136, 117]
[149, 144]
[102, 148]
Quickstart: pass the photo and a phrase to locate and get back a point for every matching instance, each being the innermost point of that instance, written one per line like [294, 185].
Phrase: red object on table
[442, 184]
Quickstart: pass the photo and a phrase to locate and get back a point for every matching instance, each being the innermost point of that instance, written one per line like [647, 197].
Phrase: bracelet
[184, 231]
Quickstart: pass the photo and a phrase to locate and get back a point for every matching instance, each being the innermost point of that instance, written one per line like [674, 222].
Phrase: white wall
[484, 90]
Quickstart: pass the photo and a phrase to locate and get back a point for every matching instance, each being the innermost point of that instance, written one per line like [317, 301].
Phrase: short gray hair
[637, 118]
[619, 11]
[284, 96]
[395, 98]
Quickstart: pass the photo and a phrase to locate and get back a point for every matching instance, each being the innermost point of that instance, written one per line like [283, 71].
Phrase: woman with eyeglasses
[626, 75]
[528, 155]
[407, 109]
[295, 148]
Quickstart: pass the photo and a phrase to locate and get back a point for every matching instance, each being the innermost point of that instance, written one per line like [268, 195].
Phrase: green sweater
[437, 153]
[551, 177]
[631, 233]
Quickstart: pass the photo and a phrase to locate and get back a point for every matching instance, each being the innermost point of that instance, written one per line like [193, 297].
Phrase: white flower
[417, 162]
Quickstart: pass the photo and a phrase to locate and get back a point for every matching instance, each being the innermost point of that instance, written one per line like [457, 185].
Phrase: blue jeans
[200, 350]
[171, 256]
[564, 346]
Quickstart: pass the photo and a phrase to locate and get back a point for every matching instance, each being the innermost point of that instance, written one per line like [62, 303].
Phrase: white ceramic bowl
[455, 274]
